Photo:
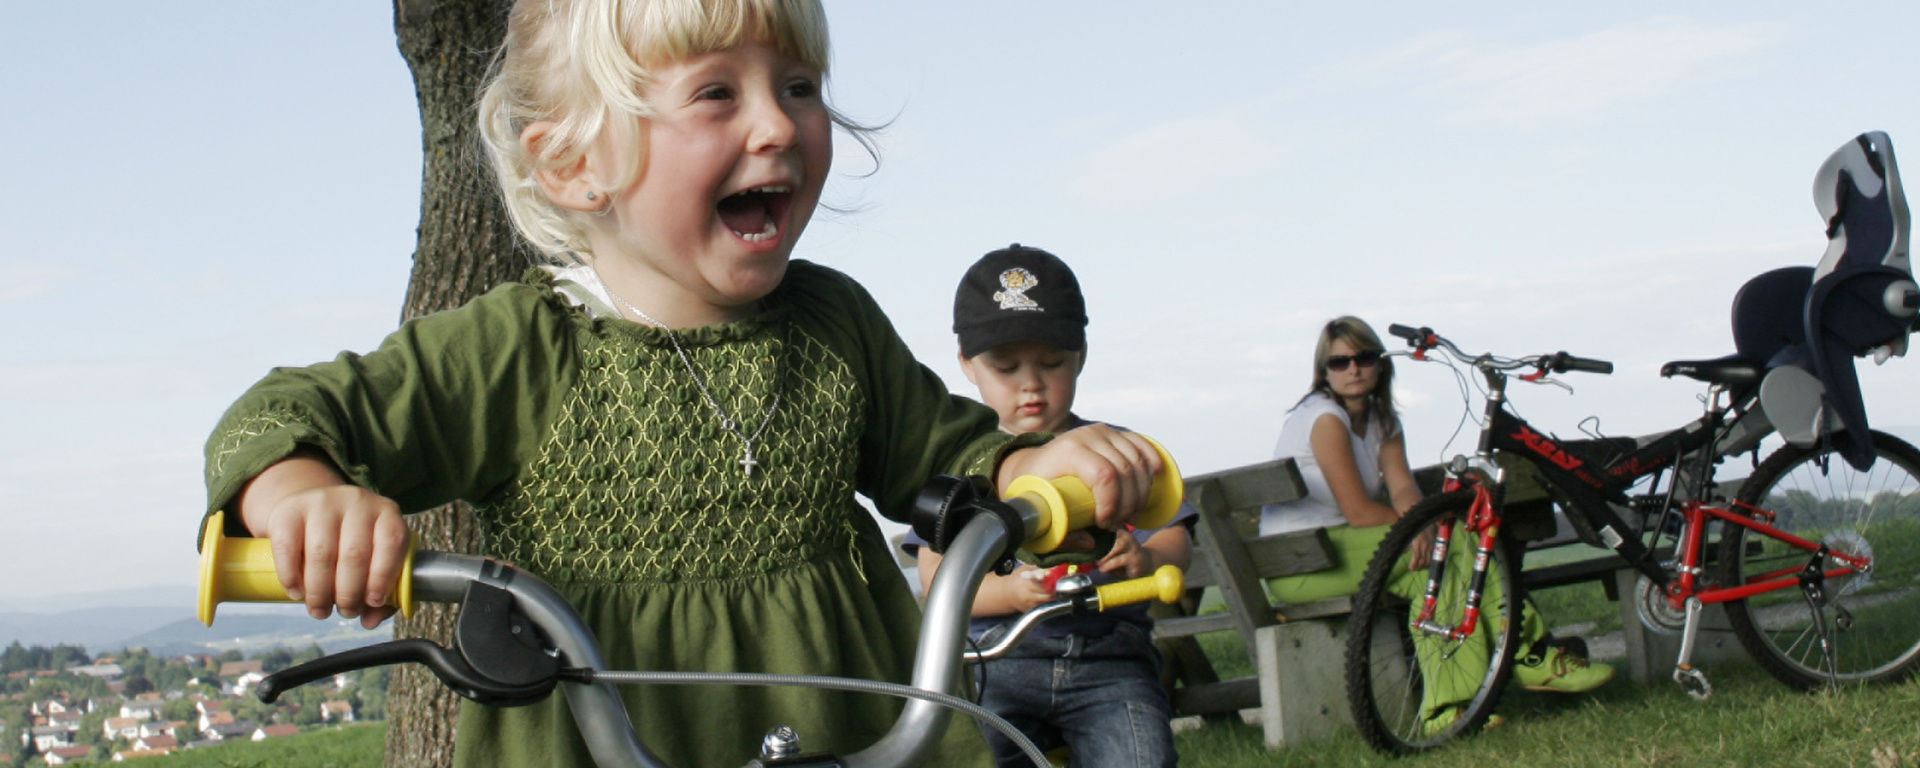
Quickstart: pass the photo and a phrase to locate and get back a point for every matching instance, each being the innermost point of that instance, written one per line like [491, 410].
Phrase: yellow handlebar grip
[240, 570]
[1165, 585]
[1067, 503]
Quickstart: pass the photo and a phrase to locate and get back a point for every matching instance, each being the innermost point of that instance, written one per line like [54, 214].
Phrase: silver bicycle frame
[602, 717]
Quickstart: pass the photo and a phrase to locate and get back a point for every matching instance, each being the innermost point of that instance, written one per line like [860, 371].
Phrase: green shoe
[1440, 721]
[1560, 670]
[1445, 717]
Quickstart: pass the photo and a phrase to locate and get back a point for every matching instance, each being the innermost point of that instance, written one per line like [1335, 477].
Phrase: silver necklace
[747, 462]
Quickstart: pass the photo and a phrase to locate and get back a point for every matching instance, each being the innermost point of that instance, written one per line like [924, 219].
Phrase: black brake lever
[498, 656]
[946, 504]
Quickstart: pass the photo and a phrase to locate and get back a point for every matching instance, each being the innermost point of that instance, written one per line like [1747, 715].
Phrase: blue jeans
[1099, 696]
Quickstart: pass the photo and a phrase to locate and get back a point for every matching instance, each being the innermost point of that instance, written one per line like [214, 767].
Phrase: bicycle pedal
[1693, 681]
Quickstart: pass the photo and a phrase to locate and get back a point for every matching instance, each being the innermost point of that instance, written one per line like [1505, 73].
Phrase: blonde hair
[1361, 337]
[583, 63]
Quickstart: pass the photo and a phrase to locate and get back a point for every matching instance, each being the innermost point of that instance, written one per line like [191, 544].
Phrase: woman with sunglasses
[1346, 440]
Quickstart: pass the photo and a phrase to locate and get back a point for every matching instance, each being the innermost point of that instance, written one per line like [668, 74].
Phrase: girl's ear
[569, 186]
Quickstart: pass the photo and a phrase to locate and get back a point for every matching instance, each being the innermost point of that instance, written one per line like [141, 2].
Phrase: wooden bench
[1298, 650]
[1297, 686]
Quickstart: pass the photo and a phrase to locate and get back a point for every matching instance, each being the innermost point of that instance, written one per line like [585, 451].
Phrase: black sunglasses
[1364, 359]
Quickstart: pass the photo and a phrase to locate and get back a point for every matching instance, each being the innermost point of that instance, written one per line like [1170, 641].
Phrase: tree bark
[466, 245]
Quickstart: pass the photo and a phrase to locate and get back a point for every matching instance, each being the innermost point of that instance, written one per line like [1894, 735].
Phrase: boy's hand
[1127, 559]
[334, 544]
[1117, 465]
[1025, 589]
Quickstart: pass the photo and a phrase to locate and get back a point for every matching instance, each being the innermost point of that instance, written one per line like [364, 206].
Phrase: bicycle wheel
[1412, 690]
[1873, 618]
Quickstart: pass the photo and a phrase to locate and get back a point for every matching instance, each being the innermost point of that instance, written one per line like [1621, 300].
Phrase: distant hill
[173, 631]
[91, 627]
[253, 633]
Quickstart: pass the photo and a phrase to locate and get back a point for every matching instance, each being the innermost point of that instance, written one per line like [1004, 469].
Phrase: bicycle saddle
[1732, 371]
[1761, 330]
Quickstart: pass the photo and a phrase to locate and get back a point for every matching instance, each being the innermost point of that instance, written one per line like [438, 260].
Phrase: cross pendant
[747, 463]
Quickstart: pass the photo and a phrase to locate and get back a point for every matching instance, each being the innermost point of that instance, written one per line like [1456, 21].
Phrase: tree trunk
[466, 246]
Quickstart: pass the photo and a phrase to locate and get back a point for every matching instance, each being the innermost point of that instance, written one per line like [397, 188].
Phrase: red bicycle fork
[1481, 520]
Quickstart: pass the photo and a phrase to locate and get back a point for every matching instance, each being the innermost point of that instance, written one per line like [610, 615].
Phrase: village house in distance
[58, 707]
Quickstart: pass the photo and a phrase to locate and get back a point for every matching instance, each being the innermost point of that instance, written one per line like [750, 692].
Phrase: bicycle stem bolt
[780, 742]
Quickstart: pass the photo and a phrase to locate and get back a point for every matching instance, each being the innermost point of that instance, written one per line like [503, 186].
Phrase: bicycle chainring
[1656, 614]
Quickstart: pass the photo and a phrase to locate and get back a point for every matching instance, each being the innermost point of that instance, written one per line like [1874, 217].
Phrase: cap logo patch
[1017, 282]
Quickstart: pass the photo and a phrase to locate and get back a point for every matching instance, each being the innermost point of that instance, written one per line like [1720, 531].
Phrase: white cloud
[1174, 158]
[1573, 76]
[26, 281]
[103, 381]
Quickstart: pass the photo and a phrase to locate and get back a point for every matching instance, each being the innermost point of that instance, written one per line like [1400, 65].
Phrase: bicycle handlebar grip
[1568, 362]
[1165, 584]
[1066, 503]
[240, 570]
[1409, 333]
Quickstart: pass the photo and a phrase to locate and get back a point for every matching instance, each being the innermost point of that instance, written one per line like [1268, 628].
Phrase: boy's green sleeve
[441, 411]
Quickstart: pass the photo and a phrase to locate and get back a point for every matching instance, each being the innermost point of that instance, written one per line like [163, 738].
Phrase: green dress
[593, 462]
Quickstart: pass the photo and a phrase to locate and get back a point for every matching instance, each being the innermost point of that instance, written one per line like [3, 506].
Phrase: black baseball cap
[1019, 294]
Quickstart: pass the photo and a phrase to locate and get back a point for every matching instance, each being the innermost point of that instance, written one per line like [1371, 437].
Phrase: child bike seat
[1863, 299]
[1796, 330]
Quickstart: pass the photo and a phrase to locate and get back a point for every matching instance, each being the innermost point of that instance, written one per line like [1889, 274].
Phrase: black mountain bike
[1816, 558]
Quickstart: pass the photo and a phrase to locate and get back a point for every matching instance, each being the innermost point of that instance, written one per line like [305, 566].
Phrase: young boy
[1089, 682]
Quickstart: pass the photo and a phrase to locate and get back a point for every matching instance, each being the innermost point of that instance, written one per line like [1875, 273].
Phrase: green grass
[352, 746]
[1751, 720]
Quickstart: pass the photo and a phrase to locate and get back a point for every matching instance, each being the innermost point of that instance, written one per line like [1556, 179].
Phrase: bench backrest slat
[1227, 501]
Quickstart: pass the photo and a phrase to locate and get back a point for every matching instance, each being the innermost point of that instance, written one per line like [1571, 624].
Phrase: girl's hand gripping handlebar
[241, 570]
[517, 638]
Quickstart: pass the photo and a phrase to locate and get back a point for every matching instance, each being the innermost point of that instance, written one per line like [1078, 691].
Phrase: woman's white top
[1317, 509]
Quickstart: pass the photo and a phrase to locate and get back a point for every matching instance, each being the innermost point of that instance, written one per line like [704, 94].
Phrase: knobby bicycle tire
[1873, 618]
[1388, 685]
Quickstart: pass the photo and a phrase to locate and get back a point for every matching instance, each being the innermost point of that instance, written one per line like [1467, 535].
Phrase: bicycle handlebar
[1423, 339]
[517, 637]
[1413, 335]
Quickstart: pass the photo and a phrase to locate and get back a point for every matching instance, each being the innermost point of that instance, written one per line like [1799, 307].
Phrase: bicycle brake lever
[497, 658]
[1539, 376]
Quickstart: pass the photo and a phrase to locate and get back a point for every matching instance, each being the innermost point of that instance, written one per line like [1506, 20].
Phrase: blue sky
[200, 191]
